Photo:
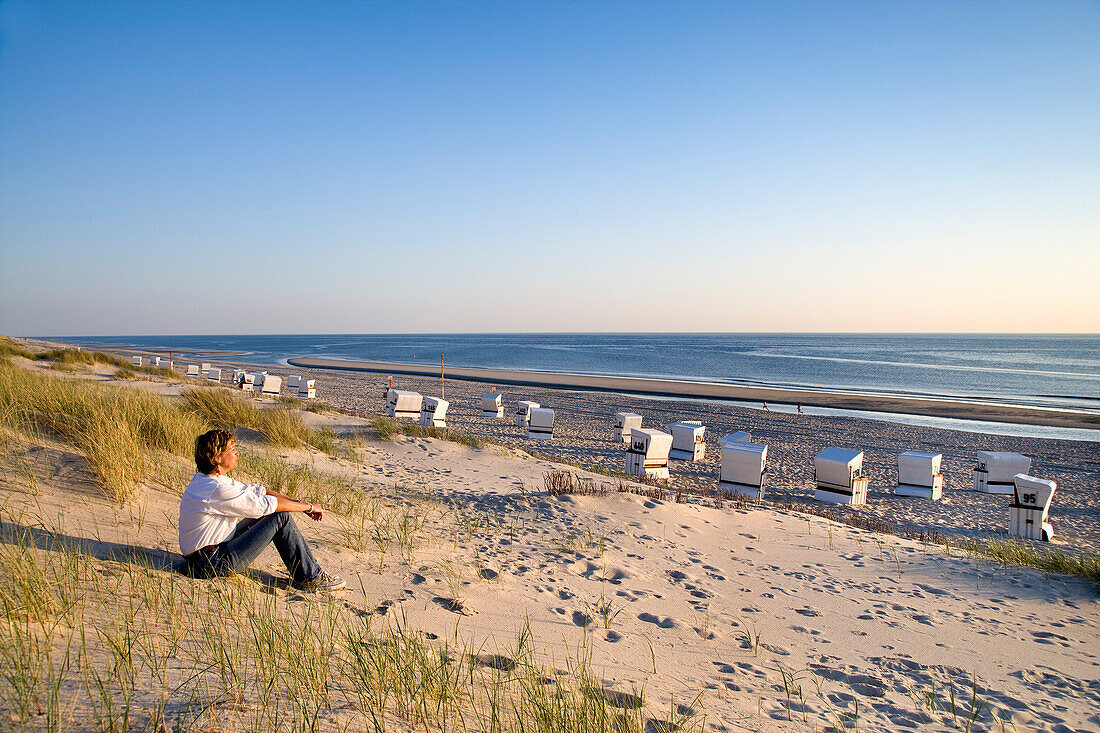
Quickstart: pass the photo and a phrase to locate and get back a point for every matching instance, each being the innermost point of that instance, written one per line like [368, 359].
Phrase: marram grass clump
[280, 426]
[112, 427]
[1048, 559]
[118, 428]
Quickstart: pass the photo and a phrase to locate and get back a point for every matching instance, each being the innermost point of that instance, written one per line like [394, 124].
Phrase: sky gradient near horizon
[374, 167]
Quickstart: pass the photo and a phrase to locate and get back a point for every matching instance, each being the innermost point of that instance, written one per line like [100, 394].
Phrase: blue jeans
[249, 539]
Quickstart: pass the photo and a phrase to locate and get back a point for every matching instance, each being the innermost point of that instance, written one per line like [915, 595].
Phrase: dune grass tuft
[280, 426]
[9, 348]
[111, 426]
[1048, 559]
[116, 428]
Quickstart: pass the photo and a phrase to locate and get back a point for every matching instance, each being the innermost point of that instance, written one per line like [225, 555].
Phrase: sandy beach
[754, 619]
[583, 434]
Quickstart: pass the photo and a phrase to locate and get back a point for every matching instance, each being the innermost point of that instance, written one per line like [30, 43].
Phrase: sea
[1052, 371]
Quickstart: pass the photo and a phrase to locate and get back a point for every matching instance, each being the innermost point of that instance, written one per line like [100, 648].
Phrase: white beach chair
[739, 437]
[523, 412]
[214, 374]
[433, 412]
[919, 475]
[492, 405]
[272, 385]
[838, 473]
[1028, 515]
[154, 361]
[744, 468]
[193, 370]
[137, 361]
[996, 471]
[292, 381]
[205, 368]
[648, 452]
[624, 422]
[687, 440]
[541, 424]
[307, 389]
[403, 403]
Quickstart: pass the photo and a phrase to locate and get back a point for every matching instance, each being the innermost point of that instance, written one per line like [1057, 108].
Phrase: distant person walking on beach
[766, 407]
[225, 524]
[799, 408]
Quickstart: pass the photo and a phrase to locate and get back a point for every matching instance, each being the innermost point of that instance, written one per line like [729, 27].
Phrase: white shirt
[212, 506]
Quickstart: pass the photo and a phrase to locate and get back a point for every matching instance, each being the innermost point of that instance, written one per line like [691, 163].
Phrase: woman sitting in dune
[225, 524]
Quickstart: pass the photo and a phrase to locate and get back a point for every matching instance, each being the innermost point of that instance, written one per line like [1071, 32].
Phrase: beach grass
[113, 427]
[117, 429]
[144, 648]
[1048, 559]
[279, 425]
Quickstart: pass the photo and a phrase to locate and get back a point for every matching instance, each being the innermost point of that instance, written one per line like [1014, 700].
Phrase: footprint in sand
[450, 604]
[582, 619]
[495, 661]
[663, 623]
[623, 700]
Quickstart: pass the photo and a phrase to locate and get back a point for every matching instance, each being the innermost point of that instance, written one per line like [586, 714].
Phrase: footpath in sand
[756, 619]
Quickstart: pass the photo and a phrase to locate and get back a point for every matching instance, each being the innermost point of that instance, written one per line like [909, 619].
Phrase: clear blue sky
[256, 167]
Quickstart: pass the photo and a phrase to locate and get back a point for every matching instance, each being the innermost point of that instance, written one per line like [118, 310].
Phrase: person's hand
[316, 512]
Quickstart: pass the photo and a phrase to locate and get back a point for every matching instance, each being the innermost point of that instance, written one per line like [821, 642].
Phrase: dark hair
[209, 446]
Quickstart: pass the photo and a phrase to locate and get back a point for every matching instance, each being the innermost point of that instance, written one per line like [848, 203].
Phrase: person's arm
[285, 504]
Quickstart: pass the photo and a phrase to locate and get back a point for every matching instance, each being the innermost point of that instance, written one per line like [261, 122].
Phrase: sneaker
[322, 583]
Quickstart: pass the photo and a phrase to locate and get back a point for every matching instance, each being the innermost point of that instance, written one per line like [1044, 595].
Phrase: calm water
[1051, 371]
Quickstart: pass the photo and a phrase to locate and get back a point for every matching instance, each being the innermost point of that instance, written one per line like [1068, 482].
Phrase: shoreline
[924, 406]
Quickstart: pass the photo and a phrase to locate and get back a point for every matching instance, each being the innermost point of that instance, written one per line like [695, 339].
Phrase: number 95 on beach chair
[1027, 517]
